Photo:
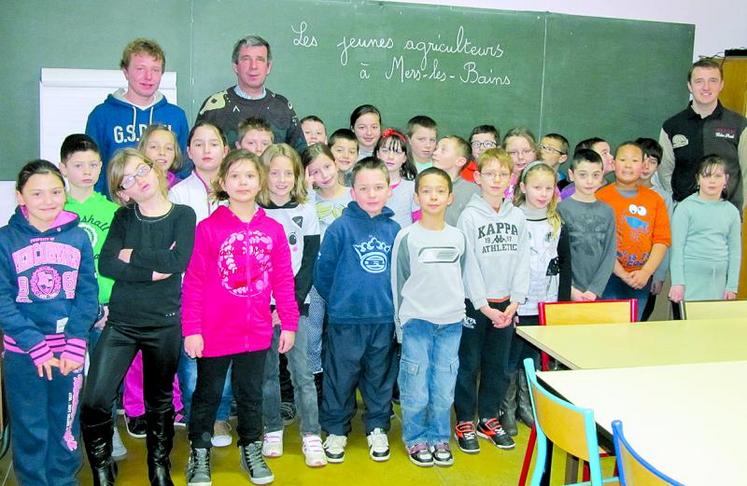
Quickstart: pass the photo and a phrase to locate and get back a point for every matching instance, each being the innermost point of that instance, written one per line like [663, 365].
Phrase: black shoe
[198, 468]
[136, 426]
[508, 421]
[492, 430]
[465, 435]
[525, 403]
[98, 441]
[159, 441]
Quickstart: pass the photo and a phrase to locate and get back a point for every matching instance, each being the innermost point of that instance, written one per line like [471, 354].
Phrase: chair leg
[545, 362]
[571, 469]
[528, 457]
[587, 472]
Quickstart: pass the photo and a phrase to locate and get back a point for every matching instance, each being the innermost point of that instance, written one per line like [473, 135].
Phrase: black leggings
[111, 359]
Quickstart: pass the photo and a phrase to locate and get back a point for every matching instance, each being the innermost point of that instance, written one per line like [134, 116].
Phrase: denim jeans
[303, 384]
[317, 308]
[427, 376]
[187, 373]
[617, 289]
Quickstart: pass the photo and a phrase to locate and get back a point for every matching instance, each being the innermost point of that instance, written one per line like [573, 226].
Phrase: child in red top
[241, 258]
[643, 233]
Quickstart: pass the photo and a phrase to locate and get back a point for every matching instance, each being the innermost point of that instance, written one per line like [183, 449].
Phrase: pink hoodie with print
[234, 269]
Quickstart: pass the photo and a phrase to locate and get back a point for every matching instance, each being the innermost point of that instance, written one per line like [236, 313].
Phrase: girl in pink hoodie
[241, 258]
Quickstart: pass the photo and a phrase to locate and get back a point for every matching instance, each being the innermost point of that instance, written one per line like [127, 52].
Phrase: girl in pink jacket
[241, 258]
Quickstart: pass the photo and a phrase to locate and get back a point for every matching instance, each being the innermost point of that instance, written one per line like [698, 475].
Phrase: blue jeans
[304, 389]
[317, 308]
[617, 289]
[187, 373]
[427, 377]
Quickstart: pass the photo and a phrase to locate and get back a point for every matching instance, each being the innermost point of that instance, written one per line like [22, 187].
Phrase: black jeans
[483, 353]
[247, 377]
[521, 349]
[111, 359]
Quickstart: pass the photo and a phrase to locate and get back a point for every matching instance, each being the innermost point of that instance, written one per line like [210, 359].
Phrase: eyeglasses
[551, 149]
[488, 144]
[129, 181]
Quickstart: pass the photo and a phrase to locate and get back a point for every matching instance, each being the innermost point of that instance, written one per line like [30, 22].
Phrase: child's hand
[576, 294]
[730, 295]
[677, 293]
[193, 345]
[638, 278]
[589, 296]
[495, 316]
[287, 338]
[160, 276]
[46, 368]
[510, 311]
[125, 254]
[656, 286]
[66, 366]
[102, 322]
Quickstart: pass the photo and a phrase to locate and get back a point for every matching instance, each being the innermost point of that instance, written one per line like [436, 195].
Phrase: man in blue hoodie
[119, 121]
[353, 275]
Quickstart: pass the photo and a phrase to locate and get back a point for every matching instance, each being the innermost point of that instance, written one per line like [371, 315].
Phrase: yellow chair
[635, 470]
[574, 313]
[567, 426]
[713, 309]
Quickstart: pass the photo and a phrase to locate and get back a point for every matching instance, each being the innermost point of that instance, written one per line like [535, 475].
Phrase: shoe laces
[378, 439]
[335, 442]
[441, 447]
[200, 458]
[253, 455]
[493, 425]
[467, 429]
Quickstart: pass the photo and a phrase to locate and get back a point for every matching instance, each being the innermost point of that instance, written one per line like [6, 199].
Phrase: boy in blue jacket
[353, 275]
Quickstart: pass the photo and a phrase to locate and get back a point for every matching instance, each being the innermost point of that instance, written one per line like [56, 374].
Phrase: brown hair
[142, 46]
[234, 157]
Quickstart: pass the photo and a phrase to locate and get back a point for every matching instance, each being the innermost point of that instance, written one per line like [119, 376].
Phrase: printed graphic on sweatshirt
[130, 133]
[373, 255]
[498, 237]
[244, 263]
[92, 226]
[45, 268]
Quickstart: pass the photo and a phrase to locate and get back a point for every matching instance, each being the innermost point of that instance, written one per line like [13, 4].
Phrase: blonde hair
[142, 46]
[115, 173]
[552, 207]
[298, 192]
[234, 157]
[495, 154]
[178, 157]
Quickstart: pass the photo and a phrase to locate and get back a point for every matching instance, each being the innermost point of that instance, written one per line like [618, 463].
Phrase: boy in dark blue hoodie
[353, 275]
[119, 121]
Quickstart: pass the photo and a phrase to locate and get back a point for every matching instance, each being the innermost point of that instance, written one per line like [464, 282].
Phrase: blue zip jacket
[116, 123]
[48, 289]
[353, 270]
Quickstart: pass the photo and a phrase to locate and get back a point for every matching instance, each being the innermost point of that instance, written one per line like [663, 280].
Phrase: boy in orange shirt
[643, 233]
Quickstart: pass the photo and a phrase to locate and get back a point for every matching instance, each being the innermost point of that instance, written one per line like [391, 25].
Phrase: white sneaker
[334, 448]
[119, 451]
[221, 434]
[313, 451]
[272, 444]
[378, 445]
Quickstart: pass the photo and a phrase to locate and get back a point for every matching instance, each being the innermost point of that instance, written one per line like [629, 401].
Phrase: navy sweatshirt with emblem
[353, 270]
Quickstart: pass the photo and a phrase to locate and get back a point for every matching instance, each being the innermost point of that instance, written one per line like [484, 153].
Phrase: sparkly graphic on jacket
[244, 263]
[373, 255]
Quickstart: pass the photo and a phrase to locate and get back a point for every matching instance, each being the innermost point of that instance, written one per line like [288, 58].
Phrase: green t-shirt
[96, 215]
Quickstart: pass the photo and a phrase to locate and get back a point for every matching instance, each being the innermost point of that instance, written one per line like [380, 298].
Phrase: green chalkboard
[580, 76]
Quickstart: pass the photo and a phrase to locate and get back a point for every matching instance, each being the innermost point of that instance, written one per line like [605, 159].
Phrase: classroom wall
[719, 24]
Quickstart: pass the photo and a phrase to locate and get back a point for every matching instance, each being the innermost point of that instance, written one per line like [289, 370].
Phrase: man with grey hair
[252, 63]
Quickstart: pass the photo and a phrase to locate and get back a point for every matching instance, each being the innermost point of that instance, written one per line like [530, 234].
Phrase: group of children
[375, 260]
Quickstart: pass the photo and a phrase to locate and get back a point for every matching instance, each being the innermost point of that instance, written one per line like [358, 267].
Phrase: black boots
[525, 403]
[159, 441]
[98, 441]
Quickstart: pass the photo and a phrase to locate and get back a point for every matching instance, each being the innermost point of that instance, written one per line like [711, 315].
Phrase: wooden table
[641, 344]
[688, 420]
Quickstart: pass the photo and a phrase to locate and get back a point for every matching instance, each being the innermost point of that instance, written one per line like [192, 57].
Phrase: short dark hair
[315, 150]
[437, 172]
[629, 143]
[342, 134]
[421, 121]
[560, 138]
[485, 129]
[205, 123]
[77, 142]
[588, 143]
[706, 63]
[310, 118]
[651, 148]
[585, 155]
[370, 163]
[361, 110]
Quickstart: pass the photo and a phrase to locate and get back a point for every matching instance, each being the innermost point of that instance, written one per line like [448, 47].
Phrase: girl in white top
[394, 150]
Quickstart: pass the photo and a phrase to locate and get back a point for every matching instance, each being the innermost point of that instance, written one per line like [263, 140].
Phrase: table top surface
[687, 420]
[641, 343]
